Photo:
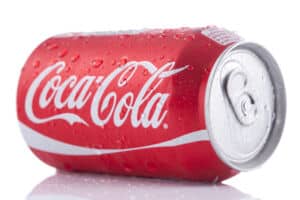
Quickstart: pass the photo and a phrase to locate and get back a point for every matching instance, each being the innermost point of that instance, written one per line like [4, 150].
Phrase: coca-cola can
[189, 103]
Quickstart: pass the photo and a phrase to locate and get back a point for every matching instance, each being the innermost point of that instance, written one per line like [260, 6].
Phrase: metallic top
[245, 106]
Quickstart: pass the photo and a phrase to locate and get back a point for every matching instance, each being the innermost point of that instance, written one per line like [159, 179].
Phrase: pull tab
[241, 100]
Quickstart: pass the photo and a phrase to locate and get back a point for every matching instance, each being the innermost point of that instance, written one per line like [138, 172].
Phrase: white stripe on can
[40, 142]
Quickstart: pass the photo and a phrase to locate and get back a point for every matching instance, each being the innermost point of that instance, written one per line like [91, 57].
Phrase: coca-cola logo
[105, 105]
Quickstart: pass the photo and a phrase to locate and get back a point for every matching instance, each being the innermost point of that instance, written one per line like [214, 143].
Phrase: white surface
[24, 24]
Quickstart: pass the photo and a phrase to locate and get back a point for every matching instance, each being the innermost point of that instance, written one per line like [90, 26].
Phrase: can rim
[279, 106]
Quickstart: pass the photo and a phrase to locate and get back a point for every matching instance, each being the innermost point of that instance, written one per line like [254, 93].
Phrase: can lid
[245, 106]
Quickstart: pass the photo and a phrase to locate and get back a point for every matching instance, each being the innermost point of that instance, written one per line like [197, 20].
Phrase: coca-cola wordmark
[55, 87]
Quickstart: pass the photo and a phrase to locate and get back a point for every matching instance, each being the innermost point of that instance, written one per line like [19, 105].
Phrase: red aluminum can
[196, 104]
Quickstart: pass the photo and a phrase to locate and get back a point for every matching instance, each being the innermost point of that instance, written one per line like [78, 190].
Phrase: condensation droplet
[97, 146]
[54, 61]
[124, 81]
[124, 60]
[191, 37]
[96, 63]
[180, 118]
[124, 36]
[161, 57]
[177, 36]
[162, 35]
[75, 58]
[68, 69]
[36, 64]
[127, 168]
[52, 46]
[165, 126]
[145, 72]
[63, 53]
[53, 124]
[205, 69]
[191, 68]
[273, 116]
[150, 36]
[35, 74]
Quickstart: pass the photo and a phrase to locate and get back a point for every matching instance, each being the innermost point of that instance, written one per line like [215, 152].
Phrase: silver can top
[245, 106]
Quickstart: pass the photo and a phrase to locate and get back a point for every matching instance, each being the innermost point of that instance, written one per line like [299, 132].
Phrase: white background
[24, 24]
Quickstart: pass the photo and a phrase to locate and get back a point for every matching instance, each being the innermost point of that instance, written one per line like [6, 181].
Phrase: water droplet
[191, 68]
[78, 37]
[127, 168]
[124, 60]
[177, 36]
[180, 118]
[273, 116]
[162, 35]
[36, 64]
[124, 81]
[35, 74]
[68, 69]
[191, 37]
[98, 146]
[118, 141]
[52, 46]
[124, 36]
[53, 61]
[145, 72]
[205, 69]
[165, 126]
[113, 62]
[150, 36]
[53, 124]
[63, 53]
[161, 57]
[75, 58]
[96, 63]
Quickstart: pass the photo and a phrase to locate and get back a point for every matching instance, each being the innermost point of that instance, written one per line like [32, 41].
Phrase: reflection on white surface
[70, 186]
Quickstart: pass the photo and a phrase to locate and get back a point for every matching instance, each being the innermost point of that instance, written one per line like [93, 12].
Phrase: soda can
[190, 103]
